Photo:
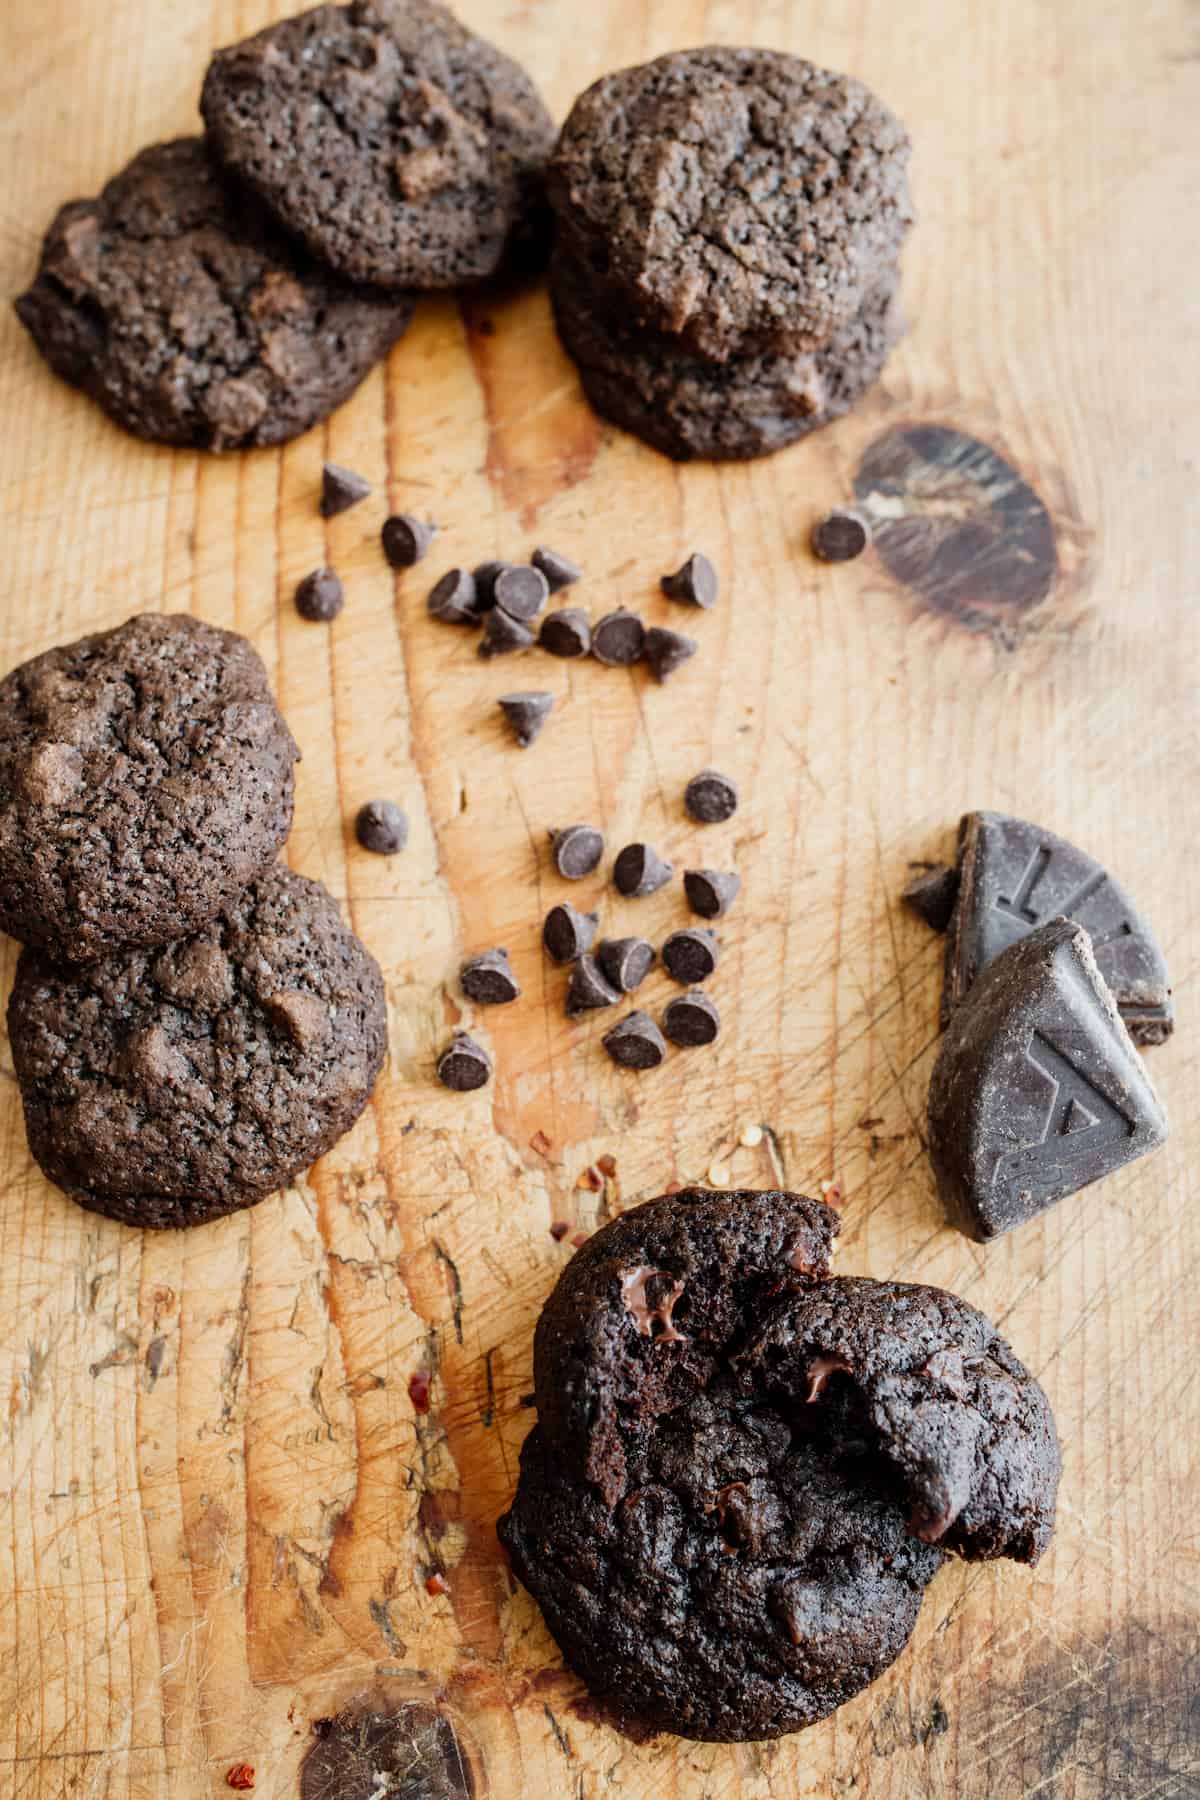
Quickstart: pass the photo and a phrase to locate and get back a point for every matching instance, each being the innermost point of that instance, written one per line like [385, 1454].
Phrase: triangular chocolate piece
[1013, 876]
[1038, 1089]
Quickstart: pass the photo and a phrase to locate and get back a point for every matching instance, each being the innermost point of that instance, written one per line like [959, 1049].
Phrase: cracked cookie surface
[181, 309]
[745, 1471]
[687, 407]
[401, 148]
[743, 200]
[170, 1086]
[146, 775]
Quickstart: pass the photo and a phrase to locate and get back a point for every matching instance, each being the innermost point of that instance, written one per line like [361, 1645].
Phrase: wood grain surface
[220, 1507]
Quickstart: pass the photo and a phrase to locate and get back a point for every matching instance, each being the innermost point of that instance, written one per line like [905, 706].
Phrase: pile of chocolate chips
[1052, 979]
[604, 970]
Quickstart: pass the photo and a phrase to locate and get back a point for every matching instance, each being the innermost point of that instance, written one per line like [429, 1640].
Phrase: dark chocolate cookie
[167, 1087]
[145, 777]
[745, 1472]
[749, 406]
[743, 200]
[185, 313]
[404, 150]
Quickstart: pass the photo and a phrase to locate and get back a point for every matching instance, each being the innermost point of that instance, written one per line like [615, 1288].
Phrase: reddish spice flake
[607, 1165]
[559, 1230]
[541, 1143]
[418, 1389]
[591, 1178]
[240, 1776]
[580, 1239]
[435, 1584]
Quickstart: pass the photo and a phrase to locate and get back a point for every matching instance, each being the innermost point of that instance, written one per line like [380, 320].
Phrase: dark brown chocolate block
[1013, 876]
[1038, 1089]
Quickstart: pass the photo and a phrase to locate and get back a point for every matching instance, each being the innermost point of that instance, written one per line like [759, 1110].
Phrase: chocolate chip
[381, 826]
[696, 583]
[635, 1042]
[667, 651]
[691, 1020]
[639, 870]
[690, 956]
[567, 632]
[566, 933]
[320, 596]
[488, 979]
[526, 714]
[454, 599]
[559, 570]
[406, 539]
[463, 1066]
[711, 892]
[618, 639]
[711, 797]
[485, 582]
[577, 850]
[521, 591]
[502, 634]
[589, 988]
[839, 537]
[626, 962]
[341, 489]
[932, 895]
[1038, 1089]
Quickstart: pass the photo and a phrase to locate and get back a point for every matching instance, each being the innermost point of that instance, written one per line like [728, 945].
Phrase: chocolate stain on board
[542, 439]
[954, 522]
[411, 1753]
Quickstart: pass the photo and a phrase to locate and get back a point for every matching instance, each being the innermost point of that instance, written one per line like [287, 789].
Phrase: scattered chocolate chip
[381, 826]
[558, 1232]
[839, 537]
[932, 895]
[1038, 1089]
[485, 583]
[502, 634]
[341, 489]
[521, 591]
[711, 892]
[453, 599]
[419, 1383]
[463, 1065]
[696, 583]
[639, 870]
[526, 714]
[406, 539]
[667, 651]
[488, 979]
[618, 639]
[690, 956]
[711, 797]
[577, 850]
[635, 1042]
[607, 1164]
[691, 1020]
[566, 933]
[567, 632]
[1013, 876]
[589, 988]
[320, 596]
[626, 962]
[559, 570]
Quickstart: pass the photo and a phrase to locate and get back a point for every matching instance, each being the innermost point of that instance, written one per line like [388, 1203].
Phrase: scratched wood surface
[219, 1507]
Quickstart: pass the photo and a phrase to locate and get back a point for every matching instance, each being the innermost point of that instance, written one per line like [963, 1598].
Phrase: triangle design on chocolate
[1013, 877]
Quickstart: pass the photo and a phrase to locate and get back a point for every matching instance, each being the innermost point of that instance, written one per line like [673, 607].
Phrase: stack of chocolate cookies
[728, 228]
[230, 291]
[192, 1024]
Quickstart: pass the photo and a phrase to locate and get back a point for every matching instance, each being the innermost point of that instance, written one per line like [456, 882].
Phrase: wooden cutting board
[220, 1506]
